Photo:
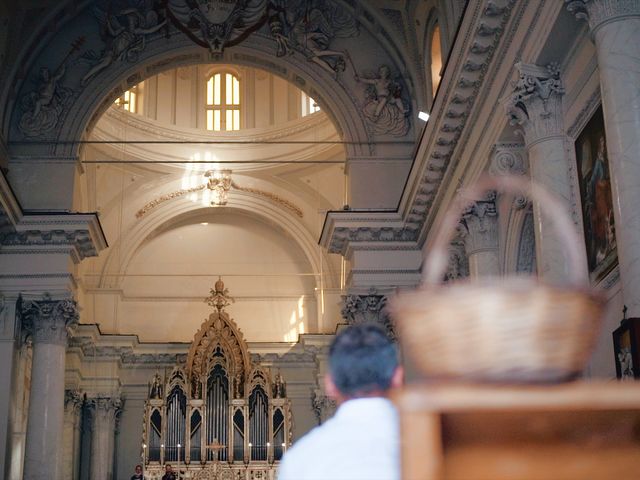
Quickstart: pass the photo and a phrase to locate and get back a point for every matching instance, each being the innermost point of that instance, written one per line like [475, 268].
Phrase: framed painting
[597, 203]
[626, 342]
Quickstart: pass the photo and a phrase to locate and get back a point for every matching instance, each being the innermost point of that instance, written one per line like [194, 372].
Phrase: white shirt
[360, 442]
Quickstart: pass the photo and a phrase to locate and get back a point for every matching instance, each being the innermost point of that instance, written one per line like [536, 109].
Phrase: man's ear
[398, 377]
[330, 387]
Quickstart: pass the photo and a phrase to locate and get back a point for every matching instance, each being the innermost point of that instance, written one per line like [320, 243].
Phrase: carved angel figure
[383, 105]
[155, 387]
[123, 42]
[312, 26]
[216, 24]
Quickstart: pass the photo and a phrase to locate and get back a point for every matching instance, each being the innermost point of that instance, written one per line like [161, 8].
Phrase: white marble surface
[46, 413]
[549, 168]
[618, 49]
[103, 424]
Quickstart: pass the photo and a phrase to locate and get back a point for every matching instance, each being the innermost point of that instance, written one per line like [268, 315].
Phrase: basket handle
[438, 257]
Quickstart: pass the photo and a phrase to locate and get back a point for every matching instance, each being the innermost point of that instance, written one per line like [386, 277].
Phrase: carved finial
[219, 296]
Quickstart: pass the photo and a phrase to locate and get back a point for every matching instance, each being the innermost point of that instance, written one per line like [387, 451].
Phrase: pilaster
[479, 230]
[103, 410]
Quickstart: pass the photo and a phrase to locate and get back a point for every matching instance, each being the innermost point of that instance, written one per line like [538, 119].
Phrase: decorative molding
[322, 405]
[472, 65]
[599, 12]
[369, 308]
[49, 321]
[179, 193]
[536, 102]
[508, 159]
[479, 225]
[73, 401]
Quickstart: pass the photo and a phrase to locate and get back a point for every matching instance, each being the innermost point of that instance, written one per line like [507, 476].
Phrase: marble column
[9, 359]
[104, 411]
[49, 322]
[479, 230]
[73, 401]
[536, 106]
[615, 27]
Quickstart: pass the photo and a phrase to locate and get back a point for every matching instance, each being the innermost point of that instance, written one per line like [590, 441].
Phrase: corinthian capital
[48, 320]
[104, 407]
[367, 308]
[536, 102]
[479, 227]
[73, 400]
[599, 12]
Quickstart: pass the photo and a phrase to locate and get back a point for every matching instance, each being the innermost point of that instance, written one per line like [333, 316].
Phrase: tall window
[129, 100]
[436, 58]
[309, 105]
[223, 102]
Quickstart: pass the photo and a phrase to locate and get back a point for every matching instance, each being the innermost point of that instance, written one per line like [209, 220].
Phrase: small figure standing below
[169, 474]
[138, 475]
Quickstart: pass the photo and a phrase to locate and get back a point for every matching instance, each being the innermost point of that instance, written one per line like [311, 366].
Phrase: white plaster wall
[161, 297]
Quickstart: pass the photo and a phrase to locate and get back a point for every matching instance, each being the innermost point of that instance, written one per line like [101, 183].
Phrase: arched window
[435, 58]
[308, 105]
[129, 101]
[223, 102]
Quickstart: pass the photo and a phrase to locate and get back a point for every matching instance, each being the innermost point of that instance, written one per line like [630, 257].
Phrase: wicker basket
[509, 329]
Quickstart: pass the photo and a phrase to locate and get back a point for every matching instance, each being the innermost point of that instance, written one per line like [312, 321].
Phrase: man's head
[138, 469]
[363, 362]
[168, 469]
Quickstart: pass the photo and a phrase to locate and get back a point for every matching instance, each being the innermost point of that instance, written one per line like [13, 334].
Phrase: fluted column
[615, 27]
[73, 401]
[49, 322]
[479, 230]
[536, 106]
[104, 411]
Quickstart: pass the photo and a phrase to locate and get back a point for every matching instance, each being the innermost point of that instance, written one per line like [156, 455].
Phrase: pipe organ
[219, 415]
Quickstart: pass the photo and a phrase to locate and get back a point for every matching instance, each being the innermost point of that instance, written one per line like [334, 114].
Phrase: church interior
[196, 195]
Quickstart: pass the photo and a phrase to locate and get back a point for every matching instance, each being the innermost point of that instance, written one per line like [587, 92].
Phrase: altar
[219, 415]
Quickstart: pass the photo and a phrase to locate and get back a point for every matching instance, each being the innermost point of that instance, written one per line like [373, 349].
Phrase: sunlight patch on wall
[296, 322]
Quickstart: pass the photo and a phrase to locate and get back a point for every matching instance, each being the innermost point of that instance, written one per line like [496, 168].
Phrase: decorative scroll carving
[383, 106]
[222, 187]
[50, 321]
[323, 406]
[508, 159]
[367, 308]
[217, 24]
[79, 238]
[536, 102]
[73, 400]
[479, 226]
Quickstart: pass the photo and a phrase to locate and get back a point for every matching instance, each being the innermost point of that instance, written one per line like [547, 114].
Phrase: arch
[116, 264]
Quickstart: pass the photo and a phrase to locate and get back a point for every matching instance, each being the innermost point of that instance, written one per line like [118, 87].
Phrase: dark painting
[597, 204]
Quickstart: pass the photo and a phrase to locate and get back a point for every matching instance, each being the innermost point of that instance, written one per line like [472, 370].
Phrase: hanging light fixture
[219, 183]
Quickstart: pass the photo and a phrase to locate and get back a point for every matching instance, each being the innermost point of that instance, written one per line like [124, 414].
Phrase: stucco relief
[48, 320]
[370, 308]
[124, 35]
[384, 107]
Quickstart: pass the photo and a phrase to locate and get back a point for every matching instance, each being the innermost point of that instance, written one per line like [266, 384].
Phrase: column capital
[599, 12]
[479, 225]
[48, 320]
[536, 102]
[367, 308]
[73, 400]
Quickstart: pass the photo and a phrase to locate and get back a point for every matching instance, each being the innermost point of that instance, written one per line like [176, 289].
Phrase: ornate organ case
[220, 415]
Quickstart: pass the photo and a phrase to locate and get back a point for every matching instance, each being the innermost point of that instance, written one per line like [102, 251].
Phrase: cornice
[484, 25]
[80, 231]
